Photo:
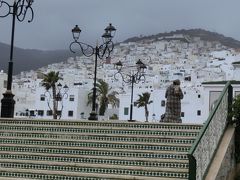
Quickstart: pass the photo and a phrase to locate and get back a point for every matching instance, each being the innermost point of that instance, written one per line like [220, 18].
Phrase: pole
[93, 114]
[131, 105]
[7, 109]
[10, 67]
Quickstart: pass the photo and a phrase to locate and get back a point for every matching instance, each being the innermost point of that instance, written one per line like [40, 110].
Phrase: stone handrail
[204, 148]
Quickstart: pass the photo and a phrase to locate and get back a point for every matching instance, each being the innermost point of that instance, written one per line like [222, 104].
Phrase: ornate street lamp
[100, 51]
[132, 77]
[18, 10]
[61, 93]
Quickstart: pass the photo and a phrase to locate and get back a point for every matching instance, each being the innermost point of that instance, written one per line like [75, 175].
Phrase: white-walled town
[195, 62]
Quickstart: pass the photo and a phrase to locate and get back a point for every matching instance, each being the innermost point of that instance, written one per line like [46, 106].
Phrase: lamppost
[62, 92]
[131, 78]
[18, 10]
[100, 51]
[27, 113]
[154, 117]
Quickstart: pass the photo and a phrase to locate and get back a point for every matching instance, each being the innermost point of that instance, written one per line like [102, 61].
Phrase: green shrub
[235, 114]
[114, 117]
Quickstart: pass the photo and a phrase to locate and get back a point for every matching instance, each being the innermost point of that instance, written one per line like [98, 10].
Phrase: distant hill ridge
[30, 59]
[203, 34]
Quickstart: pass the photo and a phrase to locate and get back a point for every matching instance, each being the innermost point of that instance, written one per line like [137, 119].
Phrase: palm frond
[104, 96]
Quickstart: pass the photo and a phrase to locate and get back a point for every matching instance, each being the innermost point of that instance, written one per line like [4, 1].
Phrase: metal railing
[203, 150]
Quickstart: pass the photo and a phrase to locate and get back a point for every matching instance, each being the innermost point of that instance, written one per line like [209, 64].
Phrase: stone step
[6, 178]
[111, 124]
[24, 174]
[98, 137]
[97, 144]
[170, 163]
[97, 131]
[119, 140]
[66, 165]
[94, 151]
[94, 168]
[161, 128]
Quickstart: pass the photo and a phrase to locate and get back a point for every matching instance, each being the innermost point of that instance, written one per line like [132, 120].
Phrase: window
[71, 98]
[199, 112]
[49, 113]
[182, 114]
[40, 112]
[32, 113]
[70, 113]
[126, 110]
[59, 113]
[163, 103]
[42, 97]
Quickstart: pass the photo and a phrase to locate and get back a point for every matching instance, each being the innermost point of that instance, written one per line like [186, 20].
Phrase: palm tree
[49, 82]
[144, 101]
[104, 96]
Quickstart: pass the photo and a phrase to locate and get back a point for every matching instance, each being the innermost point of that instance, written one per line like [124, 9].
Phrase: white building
[212, 91]
[196, 104]
[192, 105]
[236, 70]
[73, 104]
[193, 62]
[3, 83]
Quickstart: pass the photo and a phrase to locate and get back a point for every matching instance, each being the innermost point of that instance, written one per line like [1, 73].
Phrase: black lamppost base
[131, 120]
[7, 109]
[93, 116]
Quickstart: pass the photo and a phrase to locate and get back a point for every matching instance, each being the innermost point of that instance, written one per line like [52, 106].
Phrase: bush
[113, 117]
[235, 114]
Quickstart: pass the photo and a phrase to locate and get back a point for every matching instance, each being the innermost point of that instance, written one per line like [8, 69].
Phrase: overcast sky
[54, 19]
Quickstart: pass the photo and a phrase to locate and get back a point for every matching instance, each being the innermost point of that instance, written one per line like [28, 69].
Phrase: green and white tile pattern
[88, 150]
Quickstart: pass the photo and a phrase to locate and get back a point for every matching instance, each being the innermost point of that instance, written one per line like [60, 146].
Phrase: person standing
[173, 106]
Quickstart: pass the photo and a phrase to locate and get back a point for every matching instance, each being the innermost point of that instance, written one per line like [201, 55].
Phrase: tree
[235, 116]
[49, 82]
[235, 113]
[104, 96]
[144, 101]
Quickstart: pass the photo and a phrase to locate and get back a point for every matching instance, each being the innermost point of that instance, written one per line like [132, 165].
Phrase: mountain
[30, 59]
[203, 34]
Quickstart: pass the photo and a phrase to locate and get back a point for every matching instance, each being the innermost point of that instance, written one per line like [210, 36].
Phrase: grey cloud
[54, 20]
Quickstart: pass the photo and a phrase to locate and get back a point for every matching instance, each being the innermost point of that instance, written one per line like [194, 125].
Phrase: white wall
[3, 77]
[211, 94]
[75, 106]
[191, 103]
[236, 71]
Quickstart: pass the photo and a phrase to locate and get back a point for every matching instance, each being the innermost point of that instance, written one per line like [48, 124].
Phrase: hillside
[203, 34]
[28, 59]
